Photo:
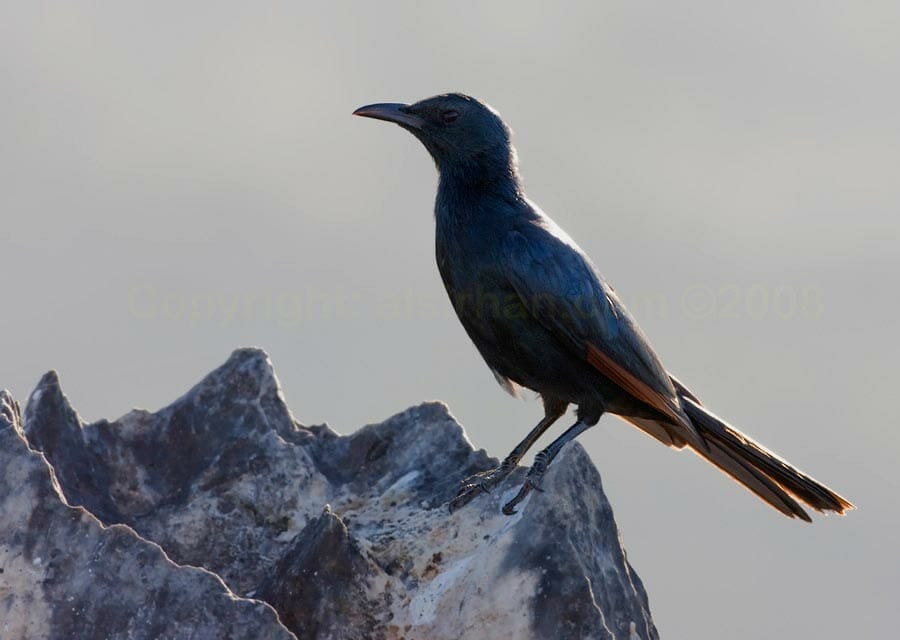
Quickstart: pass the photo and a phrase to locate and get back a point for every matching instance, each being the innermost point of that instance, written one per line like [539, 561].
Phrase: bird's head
[464, 136]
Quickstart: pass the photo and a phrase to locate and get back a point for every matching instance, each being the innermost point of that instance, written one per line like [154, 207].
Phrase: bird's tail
[764, 473]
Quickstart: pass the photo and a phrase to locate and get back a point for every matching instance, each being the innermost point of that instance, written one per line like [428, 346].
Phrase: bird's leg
[541, 461]
[486, 480]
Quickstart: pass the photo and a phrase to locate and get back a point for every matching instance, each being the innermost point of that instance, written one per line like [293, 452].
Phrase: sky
[181, 179]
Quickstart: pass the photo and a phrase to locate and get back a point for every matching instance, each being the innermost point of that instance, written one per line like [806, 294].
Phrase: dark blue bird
[544, 318]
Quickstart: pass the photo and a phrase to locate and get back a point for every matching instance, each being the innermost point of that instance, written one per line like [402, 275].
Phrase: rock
[348, 536]
[64, 575]
[339, 606]
[211, 478]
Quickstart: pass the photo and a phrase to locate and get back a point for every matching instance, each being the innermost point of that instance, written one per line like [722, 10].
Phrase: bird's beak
[392, 112]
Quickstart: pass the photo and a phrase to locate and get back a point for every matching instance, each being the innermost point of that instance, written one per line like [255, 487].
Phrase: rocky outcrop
[345, 536]
[65, 575]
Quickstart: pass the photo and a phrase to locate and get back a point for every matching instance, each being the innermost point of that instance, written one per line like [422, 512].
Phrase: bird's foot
[532, 482]
[479, 483]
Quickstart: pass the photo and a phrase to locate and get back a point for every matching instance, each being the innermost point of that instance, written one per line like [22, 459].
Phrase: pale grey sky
[182, 179]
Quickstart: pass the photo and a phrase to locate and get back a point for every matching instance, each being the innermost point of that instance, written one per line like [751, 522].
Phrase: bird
[543, 318]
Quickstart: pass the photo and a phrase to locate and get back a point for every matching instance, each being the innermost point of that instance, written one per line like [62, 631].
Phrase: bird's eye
[450, 116]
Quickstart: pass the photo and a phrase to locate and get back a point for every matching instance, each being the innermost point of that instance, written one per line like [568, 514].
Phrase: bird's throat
[478, 176]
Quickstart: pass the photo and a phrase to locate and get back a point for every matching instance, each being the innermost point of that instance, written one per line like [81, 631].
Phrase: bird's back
[530, 300]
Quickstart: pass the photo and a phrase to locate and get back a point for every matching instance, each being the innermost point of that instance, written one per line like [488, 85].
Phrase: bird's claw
[481, 486]
[510, 507]
[465, 496]
[532, 483]
[475, 485]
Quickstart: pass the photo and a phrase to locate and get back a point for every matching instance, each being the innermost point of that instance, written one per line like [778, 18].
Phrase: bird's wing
[561, 288]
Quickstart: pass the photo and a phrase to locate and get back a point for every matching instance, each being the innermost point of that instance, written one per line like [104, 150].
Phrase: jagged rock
[337, 607]
[226, 479]
[64, 575]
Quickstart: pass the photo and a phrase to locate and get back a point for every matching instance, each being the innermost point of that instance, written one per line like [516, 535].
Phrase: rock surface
[64, 575]
[345, 536]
